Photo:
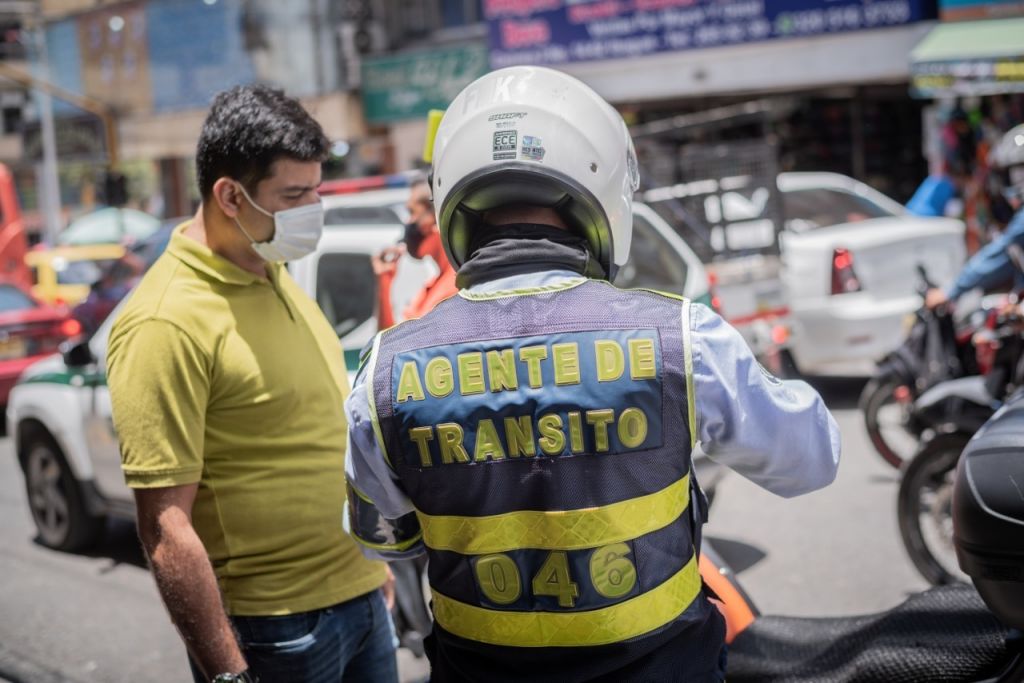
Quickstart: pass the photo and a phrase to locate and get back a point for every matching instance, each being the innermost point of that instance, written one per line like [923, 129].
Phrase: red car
[29, 330]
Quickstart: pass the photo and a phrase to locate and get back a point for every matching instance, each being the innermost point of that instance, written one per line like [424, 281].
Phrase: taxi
[63, 275]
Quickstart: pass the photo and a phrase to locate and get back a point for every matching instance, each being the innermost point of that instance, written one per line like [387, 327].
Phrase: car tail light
[70, 328]
[49, 338]
[844, 280]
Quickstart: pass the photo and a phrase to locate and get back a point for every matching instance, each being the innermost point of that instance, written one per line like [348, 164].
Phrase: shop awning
[970, 58]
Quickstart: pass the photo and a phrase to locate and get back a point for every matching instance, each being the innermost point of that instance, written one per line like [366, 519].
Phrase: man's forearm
[189, 590]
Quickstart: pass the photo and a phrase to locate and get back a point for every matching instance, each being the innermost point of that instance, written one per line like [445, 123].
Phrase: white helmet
[535, 136]
[1010, 150]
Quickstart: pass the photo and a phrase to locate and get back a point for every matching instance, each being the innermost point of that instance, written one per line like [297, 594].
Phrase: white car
[59, 413]
[849, 270]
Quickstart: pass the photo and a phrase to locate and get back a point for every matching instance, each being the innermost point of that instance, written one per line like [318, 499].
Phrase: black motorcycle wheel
[925, 508]
[886, 420]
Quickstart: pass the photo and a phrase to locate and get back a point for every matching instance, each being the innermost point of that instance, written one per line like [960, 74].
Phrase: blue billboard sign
[561, 31]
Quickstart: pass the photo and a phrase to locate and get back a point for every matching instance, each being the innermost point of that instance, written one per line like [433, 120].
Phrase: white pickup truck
[837, 296]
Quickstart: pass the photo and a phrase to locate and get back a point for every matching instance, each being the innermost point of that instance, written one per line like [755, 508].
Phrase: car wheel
[55, 499]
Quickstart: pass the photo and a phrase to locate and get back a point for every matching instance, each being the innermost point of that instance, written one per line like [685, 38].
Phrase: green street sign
[408, 86]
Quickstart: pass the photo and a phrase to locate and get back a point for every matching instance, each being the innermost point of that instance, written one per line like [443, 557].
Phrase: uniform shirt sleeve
[991, 265]
[776, 433]
[159, 385]
[378, 508]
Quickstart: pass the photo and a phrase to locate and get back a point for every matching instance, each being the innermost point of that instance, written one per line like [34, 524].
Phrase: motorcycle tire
[879, 393]
[929, 475]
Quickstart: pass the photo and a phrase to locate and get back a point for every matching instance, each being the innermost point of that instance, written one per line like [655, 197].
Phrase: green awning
[970, 58]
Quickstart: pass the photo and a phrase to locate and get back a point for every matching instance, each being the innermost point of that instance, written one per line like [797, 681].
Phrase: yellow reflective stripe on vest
[629, 619]
[558, 529]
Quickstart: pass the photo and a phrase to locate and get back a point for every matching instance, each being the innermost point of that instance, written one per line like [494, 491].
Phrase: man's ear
[228, 196]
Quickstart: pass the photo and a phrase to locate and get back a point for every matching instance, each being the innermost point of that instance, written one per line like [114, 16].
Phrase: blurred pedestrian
[227, 386]
[942, 193]
[422, 239]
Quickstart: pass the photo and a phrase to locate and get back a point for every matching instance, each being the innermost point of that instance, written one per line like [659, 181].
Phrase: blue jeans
[350, 642]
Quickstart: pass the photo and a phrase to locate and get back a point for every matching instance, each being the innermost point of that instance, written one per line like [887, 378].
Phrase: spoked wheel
[925, 509]
[59, 513]
[886, 403]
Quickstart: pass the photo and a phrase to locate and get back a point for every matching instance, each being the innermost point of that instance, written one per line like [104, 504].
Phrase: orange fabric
[434, 292]
[738, 614]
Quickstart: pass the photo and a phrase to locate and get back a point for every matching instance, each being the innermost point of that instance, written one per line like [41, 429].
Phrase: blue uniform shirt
[778, 434]
[992, 266]
[931, 196]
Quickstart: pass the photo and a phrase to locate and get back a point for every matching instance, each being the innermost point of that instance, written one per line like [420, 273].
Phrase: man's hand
[386, 262]
[389, 588]
[934, 298]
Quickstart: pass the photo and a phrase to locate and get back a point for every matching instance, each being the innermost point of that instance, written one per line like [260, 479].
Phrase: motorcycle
[937, 348]
[949, 415]
[954, 632]
[955, 411]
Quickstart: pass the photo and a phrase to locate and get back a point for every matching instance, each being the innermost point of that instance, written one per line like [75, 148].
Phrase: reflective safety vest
[544, 437]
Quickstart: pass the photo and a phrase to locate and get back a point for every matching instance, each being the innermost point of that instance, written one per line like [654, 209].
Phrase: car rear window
[361, 215]
[821, 207]
[346, 290]
[653, 262]
[13, 299]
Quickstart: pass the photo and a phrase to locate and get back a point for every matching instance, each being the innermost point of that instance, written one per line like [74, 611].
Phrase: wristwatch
[241, 677]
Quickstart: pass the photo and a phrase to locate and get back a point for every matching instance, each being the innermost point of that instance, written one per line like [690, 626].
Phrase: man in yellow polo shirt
[227, 386]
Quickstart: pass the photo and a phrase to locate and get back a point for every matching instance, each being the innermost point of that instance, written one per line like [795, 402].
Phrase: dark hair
[249, 128]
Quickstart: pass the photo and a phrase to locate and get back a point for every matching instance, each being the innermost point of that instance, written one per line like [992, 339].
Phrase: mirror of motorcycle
[923, 274]
[77, 353]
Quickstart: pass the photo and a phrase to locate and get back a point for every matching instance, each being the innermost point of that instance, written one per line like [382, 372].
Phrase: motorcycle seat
[943, 634]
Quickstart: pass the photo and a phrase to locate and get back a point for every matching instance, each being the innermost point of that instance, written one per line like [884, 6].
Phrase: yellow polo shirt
[237, 382]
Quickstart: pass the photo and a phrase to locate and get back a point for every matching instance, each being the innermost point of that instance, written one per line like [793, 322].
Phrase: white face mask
[296, 231]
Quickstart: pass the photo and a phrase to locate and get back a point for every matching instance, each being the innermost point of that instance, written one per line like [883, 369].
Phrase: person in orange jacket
[422, 238]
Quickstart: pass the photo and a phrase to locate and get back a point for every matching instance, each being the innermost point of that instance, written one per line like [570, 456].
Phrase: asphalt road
[96, 618]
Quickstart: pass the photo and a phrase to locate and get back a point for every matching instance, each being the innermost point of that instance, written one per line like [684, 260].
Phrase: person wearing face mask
[227, 387]
[421, 239]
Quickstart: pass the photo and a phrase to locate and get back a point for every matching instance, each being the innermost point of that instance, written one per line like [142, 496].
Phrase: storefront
[839, 68]
[828, 80]
[969, 71]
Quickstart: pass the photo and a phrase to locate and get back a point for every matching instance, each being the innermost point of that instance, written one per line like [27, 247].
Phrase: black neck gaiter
[520, 248]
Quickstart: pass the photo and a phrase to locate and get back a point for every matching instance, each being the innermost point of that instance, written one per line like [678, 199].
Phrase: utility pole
[49, 180]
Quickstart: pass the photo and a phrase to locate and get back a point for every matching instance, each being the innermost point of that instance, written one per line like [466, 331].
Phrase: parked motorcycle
[948, 633]
[952, 413]
[948, 416]
[937, 348]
